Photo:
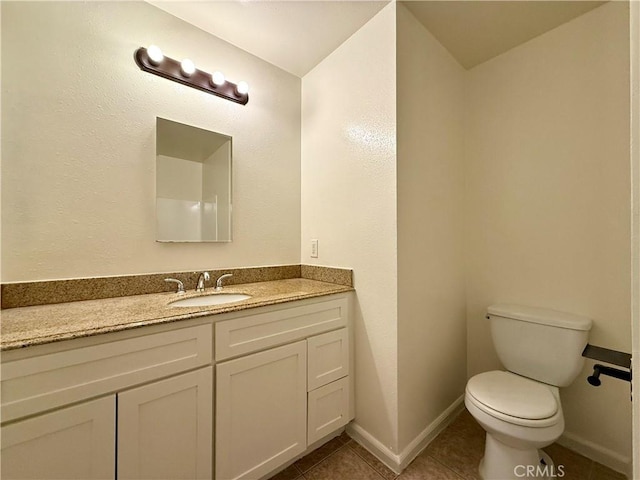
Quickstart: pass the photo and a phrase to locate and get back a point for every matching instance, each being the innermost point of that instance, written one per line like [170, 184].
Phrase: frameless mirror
[193, 184]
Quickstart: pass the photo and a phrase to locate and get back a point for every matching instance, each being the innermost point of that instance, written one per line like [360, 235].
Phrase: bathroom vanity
[230, 395]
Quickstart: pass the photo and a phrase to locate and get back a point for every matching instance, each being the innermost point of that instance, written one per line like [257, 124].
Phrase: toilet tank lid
[541, 315]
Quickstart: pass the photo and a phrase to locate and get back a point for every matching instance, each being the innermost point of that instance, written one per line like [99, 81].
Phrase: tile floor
[453, 455]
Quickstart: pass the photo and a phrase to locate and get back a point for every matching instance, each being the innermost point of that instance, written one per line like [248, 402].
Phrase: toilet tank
[540, 344]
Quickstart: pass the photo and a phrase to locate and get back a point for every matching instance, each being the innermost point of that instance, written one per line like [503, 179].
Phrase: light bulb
[217, 78]
[242, 88]
[155, 54]
[187, 67]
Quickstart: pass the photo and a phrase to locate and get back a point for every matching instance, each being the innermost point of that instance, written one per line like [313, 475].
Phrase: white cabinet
[164, 428]
[275, 401]
[72, 443]
[328, 383]
[261, 411]
[140, 404]
[265, 329]
[328, 358]
[163, 406]
[328, 409]
[82, 369]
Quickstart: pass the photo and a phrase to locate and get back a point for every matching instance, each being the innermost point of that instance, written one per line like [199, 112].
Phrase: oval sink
[207, 300]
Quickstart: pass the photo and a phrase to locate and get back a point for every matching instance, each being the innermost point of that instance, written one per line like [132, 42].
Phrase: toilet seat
[514, 399]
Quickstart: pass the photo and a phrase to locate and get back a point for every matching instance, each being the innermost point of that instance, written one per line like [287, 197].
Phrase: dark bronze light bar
[181, 72]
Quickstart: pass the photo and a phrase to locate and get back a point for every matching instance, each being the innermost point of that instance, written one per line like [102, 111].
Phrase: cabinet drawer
[265, 330]
[328, 358]
[40, 383]
[328, 409]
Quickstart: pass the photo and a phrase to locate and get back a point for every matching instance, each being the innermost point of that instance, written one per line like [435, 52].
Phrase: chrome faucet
[221, 279]
[180, 285]
[204, 277]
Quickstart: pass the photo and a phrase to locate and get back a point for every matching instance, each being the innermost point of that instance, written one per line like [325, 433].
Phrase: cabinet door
[328, 409]
[165, 429]
[328, 358]
[261, 411]
[72, 443]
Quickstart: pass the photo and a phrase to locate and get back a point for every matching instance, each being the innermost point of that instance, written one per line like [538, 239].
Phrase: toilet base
[502, 462]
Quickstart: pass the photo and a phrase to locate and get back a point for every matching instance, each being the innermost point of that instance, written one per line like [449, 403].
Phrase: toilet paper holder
[609, 371]
[613, 357]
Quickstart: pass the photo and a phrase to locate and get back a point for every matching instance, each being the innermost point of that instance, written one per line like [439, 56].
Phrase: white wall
[215, 188]
[179, 178]
[349, 201]
[635, 222]
[548, 202]
[178, 196]
[431, 296]
[1, 142]
[78, 149]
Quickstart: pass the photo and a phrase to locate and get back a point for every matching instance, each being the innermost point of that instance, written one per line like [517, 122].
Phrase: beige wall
[635, 223]
[1, 99]
[546, 221]
[179, 178]
[179, 184]
[78, 149]
[349, 201]
[431, 296]
[215, 188]
[548, 202]
[547, 191]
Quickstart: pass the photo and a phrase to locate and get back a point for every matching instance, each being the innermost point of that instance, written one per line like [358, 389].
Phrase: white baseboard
[374, 446]
[598, 453]
[428, 434]
[398, 462]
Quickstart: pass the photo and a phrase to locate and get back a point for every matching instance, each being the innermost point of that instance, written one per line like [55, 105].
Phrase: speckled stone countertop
[36, 325]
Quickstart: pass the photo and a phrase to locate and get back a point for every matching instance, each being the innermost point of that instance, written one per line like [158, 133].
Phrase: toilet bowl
[520, 408]
[520, 417]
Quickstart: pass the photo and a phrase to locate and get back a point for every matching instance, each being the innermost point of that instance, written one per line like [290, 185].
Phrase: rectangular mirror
[193, 184]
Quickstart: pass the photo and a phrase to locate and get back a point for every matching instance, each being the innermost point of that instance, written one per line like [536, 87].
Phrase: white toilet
[520, 409]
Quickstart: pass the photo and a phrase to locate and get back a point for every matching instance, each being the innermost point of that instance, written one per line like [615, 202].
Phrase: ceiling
[296, 35]
[475, 31]
[178, 140]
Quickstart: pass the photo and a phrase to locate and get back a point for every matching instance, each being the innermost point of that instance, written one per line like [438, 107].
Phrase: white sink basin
[207, 300]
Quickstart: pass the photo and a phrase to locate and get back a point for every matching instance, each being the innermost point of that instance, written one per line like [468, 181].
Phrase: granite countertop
[36, 325]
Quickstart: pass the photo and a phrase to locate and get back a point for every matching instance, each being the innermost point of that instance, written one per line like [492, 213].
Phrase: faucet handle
[180, 285]
[221, 279]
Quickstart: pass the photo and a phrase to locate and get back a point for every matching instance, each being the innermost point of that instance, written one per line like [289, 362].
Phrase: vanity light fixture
[152, 60]
[155, 54]
[242, 88]
[217, 79]
[187, 67]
